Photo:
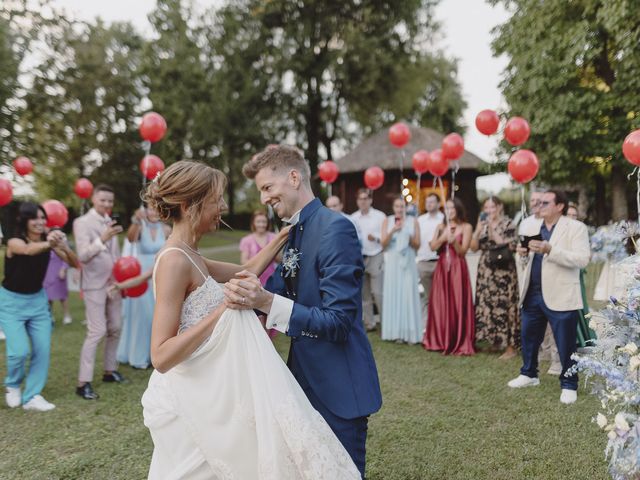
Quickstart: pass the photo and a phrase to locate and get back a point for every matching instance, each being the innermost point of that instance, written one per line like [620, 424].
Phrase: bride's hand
[245, 292]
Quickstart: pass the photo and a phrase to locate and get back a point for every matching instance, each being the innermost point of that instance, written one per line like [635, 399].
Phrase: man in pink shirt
[97, 246]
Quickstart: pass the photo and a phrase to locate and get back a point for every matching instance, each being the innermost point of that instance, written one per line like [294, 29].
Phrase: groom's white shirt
[282, 307]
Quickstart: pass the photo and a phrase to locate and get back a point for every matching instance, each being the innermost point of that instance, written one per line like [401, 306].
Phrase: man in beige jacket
[550, 291]
[97, 246]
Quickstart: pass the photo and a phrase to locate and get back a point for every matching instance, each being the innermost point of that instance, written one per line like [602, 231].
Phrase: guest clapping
[451, 325]
[496, 305]
[24, 308]
[401, 312]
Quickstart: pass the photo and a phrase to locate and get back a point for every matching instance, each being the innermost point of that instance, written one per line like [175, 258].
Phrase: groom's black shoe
[114, 377]
[86, 392]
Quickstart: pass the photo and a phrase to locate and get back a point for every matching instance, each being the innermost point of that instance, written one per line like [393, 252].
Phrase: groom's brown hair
[277, 157]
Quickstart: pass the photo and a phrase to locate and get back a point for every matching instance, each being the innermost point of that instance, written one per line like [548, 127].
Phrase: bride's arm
[168, 348]
[222, 272]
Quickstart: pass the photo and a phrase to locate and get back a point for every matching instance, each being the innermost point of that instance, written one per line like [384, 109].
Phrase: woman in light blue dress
[401, 313]
[147, 236]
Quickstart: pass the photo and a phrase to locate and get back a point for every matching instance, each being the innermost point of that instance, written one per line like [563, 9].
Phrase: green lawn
[443, 418]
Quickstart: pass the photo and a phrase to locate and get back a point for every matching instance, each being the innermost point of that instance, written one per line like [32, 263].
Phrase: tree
[574, 73]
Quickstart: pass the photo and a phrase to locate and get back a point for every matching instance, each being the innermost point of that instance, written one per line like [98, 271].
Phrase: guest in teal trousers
[24, 306]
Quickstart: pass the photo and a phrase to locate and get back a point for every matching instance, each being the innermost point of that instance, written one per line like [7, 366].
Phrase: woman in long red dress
[451, 320]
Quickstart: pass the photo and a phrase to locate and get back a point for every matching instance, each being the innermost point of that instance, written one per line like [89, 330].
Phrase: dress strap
[155, 266]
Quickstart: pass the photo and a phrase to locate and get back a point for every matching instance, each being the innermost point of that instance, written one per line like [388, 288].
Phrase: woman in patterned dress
[496, 306]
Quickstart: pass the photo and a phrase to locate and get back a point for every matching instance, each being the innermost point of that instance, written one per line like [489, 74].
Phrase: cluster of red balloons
[516, 131]
[151, 165]
[328, 171]
[57, 214]
[631, 148]
[126, 268]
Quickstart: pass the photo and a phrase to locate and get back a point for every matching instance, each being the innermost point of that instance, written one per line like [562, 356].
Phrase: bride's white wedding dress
[233, 410]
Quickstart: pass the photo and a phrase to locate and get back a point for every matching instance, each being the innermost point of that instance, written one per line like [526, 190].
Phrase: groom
[314, 297]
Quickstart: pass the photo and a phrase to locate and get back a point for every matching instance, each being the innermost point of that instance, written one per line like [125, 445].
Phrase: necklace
[190, 248]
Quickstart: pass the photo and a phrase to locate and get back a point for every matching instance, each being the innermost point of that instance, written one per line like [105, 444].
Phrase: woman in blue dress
[401, 312]
[147, 236]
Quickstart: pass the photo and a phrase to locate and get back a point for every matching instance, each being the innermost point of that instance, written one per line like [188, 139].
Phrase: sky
[466, 25]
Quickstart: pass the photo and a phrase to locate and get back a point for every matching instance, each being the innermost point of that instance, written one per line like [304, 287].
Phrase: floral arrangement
[614, 366]
[608, 243]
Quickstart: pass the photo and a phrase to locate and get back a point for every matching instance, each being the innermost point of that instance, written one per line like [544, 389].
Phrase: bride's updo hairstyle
[184, 183]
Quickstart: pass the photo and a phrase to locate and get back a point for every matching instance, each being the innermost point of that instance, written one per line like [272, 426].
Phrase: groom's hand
[245, 292]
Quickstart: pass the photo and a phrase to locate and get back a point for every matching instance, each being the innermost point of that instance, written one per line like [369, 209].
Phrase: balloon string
[146, 145]
[401, 170]
[523, 204]
[418, 195]
[446, 217]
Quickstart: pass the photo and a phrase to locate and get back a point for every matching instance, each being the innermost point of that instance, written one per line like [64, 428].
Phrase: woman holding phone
[401, 311]
[496, 304]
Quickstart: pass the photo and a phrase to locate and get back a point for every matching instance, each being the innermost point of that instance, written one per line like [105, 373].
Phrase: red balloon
[136, 291]
[373, 177]
[126, 268]
[487, 122]
[631, 147]
[6, 192]
[151, 165]
[517, 131]
[452, 146]
[523, 166]
[328, 171]
[57, 214]
[420, 161]
[438, 163]
[153, 127]
[83, 188]
[23, 166]
[399, 134]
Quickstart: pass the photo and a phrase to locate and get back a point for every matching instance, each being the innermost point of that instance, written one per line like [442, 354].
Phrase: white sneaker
[66, 320]
[555, 369]
[13, 397]
[568, 396]
[39, 404]
[524, 381]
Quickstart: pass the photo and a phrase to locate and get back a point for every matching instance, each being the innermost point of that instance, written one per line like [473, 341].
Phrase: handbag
[500, 256]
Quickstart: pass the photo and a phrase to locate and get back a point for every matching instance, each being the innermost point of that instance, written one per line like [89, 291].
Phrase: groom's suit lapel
[295, 241]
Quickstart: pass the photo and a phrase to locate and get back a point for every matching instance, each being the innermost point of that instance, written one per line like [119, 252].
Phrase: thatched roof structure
[377, 150]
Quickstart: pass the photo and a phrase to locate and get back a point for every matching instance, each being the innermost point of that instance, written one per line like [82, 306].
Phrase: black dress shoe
[86, 392]
[114, 377]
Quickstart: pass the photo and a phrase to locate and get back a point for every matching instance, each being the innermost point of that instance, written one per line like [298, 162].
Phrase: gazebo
[377, 150]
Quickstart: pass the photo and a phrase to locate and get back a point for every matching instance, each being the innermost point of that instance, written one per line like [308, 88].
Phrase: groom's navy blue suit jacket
[330, 352]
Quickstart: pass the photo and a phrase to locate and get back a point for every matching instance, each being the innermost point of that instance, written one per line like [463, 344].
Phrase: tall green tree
[574, 73]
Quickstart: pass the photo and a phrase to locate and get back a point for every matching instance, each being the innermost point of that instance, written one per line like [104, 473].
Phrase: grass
[442, 418]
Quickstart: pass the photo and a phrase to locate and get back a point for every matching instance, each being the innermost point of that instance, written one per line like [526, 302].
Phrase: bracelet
[135, 221]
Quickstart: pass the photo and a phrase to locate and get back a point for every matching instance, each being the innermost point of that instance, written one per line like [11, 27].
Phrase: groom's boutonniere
[291, 262]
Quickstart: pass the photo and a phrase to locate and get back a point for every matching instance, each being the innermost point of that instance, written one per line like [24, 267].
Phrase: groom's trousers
[351, 433]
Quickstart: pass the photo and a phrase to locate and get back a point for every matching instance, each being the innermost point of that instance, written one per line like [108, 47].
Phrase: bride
[221, 404]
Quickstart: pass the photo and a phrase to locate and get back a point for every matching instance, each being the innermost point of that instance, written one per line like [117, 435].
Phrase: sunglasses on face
[546, 203]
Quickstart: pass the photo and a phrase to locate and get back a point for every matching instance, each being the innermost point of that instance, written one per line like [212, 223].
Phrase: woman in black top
[24, 309]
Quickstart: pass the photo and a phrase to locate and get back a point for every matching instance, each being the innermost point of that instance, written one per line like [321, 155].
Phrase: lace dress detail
[200, 303]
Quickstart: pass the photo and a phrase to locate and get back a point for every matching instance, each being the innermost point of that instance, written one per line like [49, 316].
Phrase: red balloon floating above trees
[438, 163]
[373, 177]
[136, 291]
[126, 268]
[631, 148]
[328, 171]
[420, 161]
[83, 188]
[523, 166]
[150, 166]
[57, 214]
[23, 166]
[487, 122]
[517, 131]
[452, 146]
[153, 127]
[399, 134]
[6, 192]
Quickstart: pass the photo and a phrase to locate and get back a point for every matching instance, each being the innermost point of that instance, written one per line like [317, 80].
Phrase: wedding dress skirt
[234, 411]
